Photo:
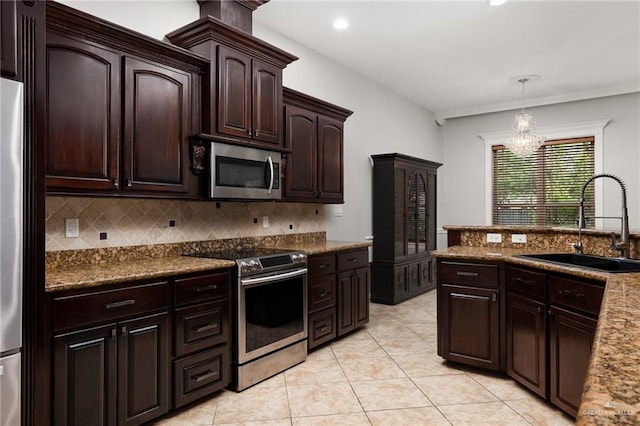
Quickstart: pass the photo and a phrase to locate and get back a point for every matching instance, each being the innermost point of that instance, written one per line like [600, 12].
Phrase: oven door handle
[249, 282]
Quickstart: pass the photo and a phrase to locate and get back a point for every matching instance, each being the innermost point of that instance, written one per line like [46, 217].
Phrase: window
[544, 189]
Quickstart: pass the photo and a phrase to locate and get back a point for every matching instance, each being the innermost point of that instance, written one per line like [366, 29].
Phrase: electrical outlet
[494, 238]
[337, 210]
[265, 221]
[519, 238]
[71, 228]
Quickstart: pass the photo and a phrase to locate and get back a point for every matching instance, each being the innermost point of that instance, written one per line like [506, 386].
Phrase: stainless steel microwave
[244, 172]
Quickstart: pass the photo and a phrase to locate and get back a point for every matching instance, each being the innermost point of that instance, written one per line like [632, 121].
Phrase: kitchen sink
[600, 263]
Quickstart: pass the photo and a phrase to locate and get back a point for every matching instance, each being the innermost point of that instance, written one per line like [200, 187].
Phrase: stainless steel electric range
[270, 312]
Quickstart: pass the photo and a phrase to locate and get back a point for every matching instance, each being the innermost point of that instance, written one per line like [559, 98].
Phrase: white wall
[462, 202]
[382, 121]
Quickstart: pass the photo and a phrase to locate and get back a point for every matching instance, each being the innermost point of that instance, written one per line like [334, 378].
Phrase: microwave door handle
[271, 174]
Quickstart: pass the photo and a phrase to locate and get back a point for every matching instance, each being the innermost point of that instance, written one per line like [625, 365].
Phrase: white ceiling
[456, 57]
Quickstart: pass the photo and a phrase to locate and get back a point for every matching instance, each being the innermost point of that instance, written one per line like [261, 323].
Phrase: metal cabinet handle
[321, 328]
[522, 281]
[353, 260]
[322, 293]
[120, 304]
[210, 326]
[572, 294]
[206, 288]
[466, 274]
[539, 310]
[129, 183]
[204, 376]
[323, 265]
[116, 183]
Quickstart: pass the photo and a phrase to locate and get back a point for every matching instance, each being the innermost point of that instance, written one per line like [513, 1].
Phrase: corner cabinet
[314, 137]
[404, 227]
[243, 96]
[120, 109]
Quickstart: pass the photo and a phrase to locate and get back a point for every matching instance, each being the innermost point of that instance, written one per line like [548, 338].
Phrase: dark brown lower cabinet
[353, 300]
[526, 325]
[112, 374]
[468, 325]
[570, 339]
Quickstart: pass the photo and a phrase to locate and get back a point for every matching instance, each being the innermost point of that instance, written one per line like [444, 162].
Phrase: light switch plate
[494, 238]
[519, 238]
[71, 228]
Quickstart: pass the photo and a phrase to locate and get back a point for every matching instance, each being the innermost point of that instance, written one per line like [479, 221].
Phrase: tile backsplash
[129, 222]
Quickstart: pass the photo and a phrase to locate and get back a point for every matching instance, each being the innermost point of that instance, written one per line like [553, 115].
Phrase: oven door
[272, 312]
[244, 172]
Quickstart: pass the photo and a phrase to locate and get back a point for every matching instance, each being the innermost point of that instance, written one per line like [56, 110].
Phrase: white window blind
[544, 189]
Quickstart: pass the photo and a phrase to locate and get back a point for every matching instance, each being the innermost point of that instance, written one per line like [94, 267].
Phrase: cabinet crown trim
[212, 29]
[302, 100]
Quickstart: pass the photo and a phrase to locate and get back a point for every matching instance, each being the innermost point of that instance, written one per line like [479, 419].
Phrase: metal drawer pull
[466, 274]
[204, 376]
[205, 288]
[322, 294]
[210, 326]
[353, 260]
[572, 294]
[321, 328]
[120, 304]
[522, 281]
[323, 265]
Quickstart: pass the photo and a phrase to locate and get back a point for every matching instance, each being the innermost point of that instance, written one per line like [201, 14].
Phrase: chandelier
[524, 142]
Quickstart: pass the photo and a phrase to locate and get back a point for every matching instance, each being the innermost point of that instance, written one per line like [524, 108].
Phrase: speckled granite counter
[76, 273]
[97, 275]
[313, 248]
[612, 387]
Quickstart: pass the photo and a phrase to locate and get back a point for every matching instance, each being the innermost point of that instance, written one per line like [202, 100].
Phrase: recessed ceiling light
[340, 24]
[497, 2]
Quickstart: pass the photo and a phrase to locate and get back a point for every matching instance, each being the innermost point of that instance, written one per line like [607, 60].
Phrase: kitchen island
[611, 392]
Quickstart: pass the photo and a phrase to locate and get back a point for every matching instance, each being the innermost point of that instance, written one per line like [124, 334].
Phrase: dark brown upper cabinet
[243, 97]
[314, 135]
[120, 109]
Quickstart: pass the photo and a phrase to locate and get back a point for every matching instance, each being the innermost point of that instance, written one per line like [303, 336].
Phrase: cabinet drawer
[524, 281]
[475, 274]
[101, 306]
[202, 288]
[322, 327]
[576, 294]
[321, 265]
[322, 293]
[353, 260]
[201, 374]
[200, 326]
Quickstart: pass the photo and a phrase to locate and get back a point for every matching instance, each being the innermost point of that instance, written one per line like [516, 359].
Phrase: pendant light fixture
[524, 142]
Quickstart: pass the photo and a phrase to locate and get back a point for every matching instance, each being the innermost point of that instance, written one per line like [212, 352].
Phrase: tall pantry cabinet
[404, 227]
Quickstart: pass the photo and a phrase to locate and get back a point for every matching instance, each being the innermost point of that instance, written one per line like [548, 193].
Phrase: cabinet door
[526, 342]
[426, 275]
[83, 115]
[416, 213]
[570, 339]
[156, 124]
[361, 282]
[143, 366]
[330, 160]
[234, 93]
[84, 377]
[345, 304]
[468, 325]
[266, 114]
[301, 172]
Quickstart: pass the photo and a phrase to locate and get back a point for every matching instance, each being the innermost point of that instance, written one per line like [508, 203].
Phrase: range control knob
[299, 258]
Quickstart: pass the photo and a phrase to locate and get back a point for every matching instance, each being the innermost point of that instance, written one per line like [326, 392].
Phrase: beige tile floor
[387, 373]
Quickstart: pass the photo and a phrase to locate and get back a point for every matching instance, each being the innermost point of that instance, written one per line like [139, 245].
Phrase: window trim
[593, 128]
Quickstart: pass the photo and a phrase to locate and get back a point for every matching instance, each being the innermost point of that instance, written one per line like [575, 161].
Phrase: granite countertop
[96, 275]
[82, 276]
[612, 386]
[313, 248]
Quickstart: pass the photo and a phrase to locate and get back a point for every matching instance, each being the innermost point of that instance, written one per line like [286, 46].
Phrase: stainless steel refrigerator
[11, 246]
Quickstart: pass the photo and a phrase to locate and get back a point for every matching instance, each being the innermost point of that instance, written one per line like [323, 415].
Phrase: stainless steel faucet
[623, 246]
